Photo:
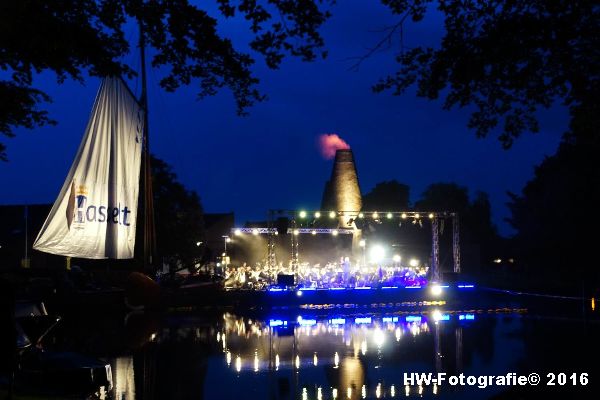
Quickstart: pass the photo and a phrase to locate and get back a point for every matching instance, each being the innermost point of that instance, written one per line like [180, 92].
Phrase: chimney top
[344, 155]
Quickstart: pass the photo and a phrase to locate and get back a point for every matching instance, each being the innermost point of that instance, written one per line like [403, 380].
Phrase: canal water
[304, 354]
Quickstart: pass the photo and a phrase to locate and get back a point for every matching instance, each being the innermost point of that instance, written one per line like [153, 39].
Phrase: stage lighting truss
[373, 215]
[361, 219]
[254, 231]
[317, 231]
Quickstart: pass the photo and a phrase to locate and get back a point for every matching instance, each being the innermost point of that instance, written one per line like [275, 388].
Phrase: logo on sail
[80, 211]
[81, 200]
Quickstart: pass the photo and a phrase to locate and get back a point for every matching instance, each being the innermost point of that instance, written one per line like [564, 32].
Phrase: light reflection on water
[351, 358]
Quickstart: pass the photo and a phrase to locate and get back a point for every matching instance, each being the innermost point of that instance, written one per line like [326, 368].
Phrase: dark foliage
[506, 60]
[390, 195]
[72, 38]
[479, 238]
[555, 216]
[178, 214]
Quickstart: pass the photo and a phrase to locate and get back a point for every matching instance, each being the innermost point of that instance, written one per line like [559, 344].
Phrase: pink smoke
[329, 143]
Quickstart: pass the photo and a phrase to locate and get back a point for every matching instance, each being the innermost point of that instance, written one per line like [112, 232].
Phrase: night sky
[270, 159]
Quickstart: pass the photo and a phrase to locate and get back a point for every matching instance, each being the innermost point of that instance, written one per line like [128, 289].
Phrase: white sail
[95, 213]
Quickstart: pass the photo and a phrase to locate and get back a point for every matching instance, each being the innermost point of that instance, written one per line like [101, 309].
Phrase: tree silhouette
[478, 236]
[179, 216]
[72, 38]
[550, 213]
[390, 195]
[505, 60]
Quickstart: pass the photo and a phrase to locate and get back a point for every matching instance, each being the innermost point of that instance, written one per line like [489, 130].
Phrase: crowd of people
[340, 274]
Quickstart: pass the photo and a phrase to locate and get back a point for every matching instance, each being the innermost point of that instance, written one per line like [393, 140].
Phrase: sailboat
[95, 215]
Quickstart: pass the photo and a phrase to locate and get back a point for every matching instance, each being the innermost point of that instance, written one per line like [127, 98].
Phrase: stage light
[497, 260]
[397, 258]
[389, 215]
[431, 215]
[237, 232]
[334, 232]
[378, 337]
[361, 215]
[317, 214]
[198, 244]
[313, 232]
[377, 253]
[417, 216]
[436, 290]
[413, 262]
[331, 214]
[375, 215]
[302, 214]
[403, 216]
[296, 232]
[255, 232]
[438, 316]
[227, 239]
[362, 243]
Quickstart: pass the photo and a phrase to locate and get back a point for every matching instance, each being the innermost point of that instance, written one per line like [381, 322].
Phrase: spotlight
[296, 232]
[361, 215]
[377, 253]
[413, 262]
[332, 214]
[436, 290]
[302, 214]
[237, 232]
[255, 231]
[375, 215]
[362, 243]
[397, 258]
[431, 215]
[317, 214]
[389, 215]
[334, 232]
[313, 232]
[403, 216]
[417, 216]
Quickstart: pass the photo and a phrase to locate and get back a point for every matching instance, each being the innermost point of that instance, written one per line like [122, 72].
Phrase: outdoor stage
[410, 298]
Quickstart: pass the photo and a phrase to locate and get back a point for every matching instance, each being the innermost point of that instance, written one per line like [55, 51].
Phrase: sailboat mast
[148, 208]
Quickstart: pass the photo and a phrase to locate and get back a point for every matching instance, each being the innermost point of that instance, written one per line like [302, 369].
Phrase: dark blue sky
[270, 158]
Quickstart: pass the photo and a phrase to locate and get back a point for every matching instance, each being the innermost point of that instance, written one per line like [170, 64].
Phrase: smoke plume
[329, 143]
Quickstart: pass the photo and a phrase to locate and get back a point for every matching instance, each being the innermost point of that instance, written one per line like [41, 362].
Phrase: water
[350, 356]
